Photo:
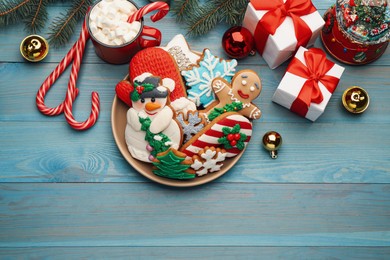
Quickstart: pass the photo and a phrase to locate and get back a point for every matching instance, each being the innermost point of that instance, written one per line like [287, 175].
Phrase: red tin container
[120, 54]
[346, 47]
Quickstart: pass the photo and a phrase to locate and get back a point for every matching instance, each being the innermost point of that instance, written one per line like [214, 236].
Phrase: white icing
[183, 105]
[212, 162]
[179, 50]
[161, 122]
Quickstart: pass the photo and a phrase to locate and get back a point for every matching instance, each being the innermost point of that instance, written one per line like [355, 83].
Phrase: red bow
[278, 11]
[316, 67]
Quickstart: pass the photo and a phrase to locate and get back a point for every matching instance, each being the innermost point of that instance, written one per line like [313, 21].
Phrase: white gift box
[282, 45]
[291, 85]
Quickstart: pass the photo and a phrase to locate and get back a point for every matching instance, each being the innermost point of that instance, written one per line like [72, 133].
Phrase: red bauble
[238, 42]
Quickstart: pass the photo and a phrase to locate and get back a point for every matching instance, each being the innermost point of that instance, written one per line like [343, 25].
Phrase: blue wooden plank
[321, 153]
[17, 99]
[51, 215]
[223, 253]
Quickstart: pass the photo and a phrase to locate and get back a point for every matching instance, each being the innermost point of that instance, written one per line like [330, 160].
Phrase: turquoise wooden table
[67, 194]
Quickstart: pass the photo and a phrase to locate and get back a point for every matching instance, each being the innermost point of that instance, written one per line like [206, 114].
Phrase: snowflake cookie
[200, 77]
[192, 123]
[208, 160]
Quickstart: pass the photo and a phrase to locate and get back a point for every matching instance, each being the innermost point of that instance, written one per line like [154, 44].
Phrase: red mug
[119, 54]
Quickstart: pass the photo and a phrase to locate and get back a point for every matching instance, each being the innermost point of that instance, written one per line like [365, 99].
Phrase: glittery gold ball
[34, 48]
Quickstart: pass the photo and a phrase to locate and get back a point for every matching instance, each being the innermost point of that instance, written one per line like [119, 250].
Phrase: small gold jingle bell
[355, 100]
[34, 48]
[271, 142]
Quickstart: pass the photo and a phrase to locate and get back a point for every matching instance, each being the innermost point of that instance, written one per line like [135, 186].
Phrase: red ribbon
[277, 13]
[316, 67]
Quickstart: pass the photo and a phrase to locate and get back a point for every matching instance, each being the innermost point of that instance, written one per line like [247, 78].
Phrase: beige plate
[118, 122]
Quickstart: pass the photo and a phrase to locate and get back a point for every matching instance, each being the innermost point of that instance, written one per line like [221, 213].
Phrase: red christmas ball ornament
[238, 42]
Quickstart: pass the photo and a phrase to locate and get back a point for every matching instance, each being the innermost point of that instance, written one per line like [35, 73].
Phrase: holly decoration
[232, 107]
[233, 138]
[172, 164]
[139, 89]
[238, 42]
[159, 142]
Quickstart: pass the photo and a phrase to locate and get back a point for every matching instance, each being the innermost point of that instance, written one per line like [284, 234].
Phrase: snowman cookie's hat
[148, 86]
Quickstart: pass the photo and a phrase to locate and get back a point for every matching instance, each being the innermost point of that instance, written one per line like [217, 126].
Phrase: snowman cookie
[245, 87]
[151, 127]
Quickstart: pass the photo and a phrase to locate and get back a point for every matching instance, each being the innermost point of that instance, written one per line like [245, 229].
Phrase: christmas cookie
[230, 131]
[191, 123]
[209, 159]
[199, 78]
[151, 127]
[123, 90]
[158, 62]
[237, 96]
[174, 165]
[183, 105]
[178, 48]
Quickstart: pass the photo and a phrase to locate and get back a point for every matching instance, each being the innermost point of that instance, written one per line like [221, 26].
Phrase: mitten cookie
[158, 62]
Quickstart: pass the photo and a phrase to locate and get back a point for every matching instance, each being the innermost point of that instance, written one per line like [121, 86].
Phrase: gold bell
[271, 142]
[355, 100]
[34, 48]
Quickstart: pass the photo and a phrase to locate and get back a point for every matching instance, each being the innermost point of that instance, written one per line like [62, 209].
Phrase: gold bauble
[34, 48]
[271, 142]
[355, 100]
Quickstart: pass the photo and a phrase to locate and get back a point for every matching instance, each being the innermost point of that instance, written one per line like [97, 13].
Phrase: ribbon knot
[314, 72]
[278, 10]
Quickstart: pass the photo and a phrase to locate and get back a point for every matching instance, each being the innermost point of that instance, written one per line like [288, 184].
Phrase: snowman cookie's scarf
[160, 142]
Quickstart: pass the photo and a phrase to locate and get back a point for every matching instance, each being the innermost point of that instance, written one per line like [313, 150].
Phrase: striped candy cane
[75, 54]
[163, 9]
[95, 107]
[48, 83]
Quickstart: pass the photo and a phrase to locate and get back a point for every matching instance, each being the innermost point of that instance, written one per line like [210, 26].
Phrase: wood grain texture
[223, 253]
[69, 195]
[151, 215]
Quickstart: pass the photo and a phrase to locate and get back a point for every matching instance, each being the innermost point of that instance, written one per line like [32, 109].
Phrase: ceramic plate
[118, 122]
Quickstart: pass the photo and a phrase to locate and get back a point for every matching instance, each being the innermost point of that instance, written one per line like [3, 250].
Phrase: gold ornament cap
[34, 48]
[355, 100]
[271, 142]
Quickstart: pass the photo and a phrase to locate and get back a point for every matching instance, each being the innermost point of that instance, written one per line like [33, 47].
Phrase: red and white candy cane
[75, 54]
[162, 7]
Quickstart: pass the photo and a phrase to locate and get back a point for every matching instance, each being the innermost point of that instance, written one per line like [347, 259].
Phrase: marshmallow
[108, 22]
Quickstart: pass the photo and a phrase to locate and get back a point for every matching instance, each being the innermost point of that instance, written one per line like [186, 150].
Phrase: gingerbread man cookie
[245, 87]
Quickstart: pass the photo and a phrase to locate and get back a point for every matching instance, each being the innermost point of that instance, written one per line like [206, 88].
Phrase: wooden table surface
[69, 194]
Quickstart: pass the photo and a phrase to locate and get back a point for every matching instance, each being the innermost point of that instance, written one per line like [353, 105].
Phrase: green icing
[158, 145]
[139, 89]
[235, 130]
[170, 166]
[235, 106]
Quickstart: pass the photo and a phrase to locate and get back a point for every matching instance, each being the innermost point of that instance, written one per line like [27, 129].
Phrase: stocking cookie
[245, 87]
[151, 127]
[230, 131]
